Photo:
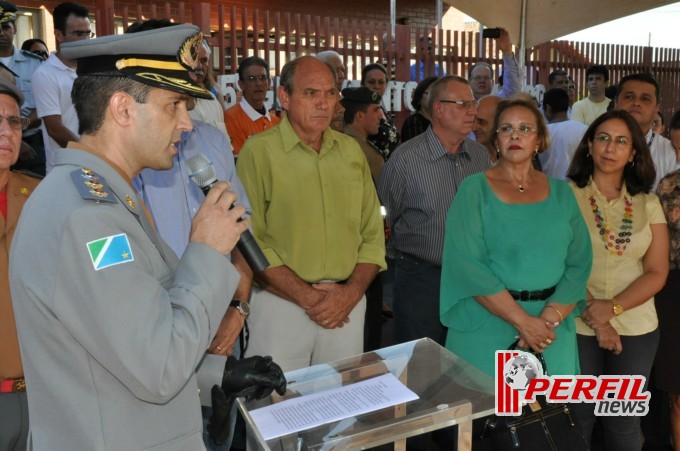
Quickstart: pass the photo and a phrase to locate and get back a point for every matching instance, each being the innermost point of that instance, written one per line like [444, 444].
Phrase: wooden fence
[279, 37]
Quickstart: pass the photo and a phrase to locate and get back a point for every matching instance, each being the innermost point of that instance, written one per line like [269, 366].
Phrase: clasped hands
[597, 316]
[536, 333]
[598, 313]
[334, 305]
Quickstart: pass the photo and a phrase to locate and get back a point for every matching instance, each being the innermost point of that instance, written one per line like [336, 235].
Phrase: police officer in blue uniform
[23, 64]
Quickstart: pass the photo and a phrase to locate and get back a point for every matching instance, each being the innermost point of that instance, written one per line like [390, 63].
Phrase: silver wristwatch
[242, 307]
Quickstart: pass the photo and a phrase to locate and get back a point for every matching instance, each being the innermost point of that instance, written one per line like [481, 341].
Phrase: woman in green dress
[517, 253]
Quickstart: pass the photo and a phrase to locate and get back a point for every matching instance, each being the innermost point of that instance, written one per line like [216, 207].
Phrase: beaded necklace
[614, 245]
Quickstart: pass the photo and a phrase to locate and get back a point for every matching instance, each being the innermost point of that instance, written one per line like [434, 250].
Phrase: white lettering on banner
[520, 378]
[397, 97]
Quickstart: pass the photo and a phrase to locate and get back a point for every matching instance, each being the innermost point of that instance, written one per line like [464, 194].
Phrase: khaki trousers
[283, 330]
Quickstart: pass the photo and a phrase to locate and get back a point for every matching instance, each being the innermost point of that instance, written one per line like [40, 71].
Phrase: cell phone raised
[491, 33]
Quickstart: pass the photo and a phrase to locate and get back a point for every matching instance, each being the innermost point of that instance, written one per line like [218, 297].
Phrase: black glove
[251, 378]
[219, 424]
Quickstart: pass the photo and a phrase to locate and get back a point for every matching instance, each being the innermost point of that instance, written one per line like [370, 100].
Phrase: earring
[535, 153]
[588, 155]
[632, 164]
[498, 153]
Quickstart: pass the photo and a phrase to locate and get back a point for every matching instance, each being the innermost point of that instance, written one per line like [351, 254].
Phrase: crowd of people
[555, 225]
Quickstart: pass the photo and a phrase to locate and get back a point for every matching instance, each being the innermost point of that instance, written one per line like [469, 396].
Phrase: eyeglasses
[16, 122]
[465, 104]
[481, 78]
[522, 130]
[253, 78]
[619, 141]
[82, 33]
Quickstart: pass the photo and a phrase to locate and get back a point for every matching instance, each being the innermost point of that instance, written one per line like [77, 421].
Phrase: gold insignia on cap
[99, 193]
[376, 96]
[130, 202]
[151, 64]
[87, 171]
[188, 51]
[23, 191]
[178, 82]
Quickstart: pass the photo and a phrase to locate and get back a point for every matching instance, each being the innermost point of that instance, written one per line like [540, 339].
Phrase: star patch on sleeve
[110, 251]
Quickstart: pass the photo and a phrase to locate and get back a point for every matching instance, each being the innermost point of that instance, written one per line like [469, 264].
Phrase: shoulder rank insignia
[130, 202]
[110, 251]
[92, 186]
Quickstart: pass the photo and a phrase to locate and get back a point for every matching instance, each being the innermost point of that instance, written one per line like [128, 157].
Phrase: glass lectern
[450, 390]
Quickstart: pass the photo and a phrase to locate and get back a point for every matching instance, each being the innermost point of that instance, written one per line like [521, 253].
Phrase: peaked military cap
[11, 90]
[8, 12]
[161, 58]
[361, 95]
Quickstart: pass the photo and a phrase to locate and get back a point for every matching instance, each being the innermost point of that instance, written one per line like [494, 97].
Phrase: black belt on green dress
[536, 295]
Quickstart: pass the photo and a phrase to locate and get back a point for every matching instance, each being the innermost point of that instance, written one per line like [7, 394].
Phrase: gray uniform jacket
[111, 325]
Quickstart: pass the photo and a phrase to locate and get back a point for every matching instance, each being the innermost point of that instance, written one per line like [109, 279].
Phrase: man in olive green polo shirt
[316, 216]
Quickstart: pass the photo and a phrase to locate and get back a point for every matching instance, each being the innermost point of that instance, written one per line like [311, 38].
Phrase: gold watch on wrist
[616, 307]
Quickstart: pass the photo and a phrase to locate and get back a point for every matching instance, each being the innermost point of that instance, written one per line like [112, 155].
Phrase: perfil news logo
[520, 378]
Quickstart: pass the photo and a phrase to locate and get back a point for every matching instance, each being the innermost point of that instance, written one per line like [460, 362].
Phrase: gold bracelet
[605, 327]
[558, 312]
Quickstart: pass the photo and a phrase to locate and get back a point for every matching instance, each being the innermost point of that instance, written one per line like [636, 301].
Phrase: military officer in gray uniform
[111, 324]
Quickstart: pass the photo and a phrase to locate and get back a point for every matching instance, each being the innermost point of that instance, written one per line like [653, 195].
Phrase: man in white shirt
[210, 111]
[588, 109]
[565, 134]
[53, 80]
[639, 95]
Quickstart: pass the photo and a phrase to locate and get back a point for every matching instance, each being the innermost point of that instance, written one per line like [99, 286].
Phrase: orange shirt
[19, 187]
[243, 122]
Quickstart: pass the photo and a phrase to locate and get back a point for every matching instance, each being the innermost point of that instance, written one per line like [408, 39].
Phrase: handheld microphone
[202, 173]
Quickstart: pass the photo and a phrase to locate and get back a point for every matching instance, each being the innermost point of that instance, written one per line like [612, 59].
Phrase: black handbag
[542, 426]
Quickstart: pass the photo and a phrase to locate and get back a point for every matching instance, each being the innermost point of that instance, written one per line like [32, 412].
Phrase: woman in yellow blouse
[612, 173]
